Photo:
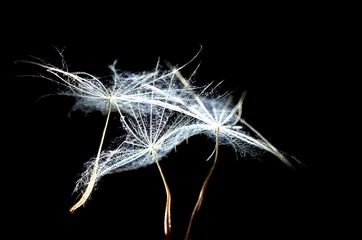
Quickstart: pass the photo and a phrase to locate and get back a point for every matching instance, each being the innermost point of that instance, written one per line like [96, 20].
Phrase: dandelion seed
[150, 137]
[216, 118]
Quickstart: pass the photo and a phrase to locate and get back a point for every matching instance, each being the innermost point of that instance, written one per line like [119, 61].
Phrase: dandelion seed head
[158, 109]
[151, 129]
[218, 113]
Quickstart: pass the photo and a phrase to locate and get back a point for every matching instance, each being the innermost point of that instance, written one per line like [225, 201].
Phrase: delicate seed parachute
[158, 109]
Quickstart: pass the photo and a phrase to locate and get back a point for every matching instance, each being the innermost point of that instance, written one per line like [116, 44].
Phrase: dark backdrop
[281, 56]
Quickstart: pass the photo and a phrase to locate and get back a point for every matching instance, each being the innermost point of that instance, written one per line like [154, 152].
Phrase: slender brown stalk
[203, 188]
[167, 220]
[92, 179]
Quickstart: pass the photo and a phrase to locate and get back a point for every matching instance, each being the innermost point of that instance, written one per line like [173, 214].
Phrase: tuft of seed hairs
[158, 109]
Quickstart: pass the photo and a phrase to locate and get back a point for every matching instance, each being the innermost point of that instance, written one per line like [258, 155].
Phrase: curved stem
[92, 179]
[203, 188]
[167, 220]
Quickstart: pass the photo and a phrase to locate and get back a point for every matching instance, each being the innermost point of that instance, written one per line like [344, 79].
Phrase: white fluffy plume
[158, 110]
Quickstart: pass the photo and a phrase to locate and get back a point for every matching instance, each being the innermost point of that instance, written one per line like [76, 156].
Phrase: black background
[284, 56]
